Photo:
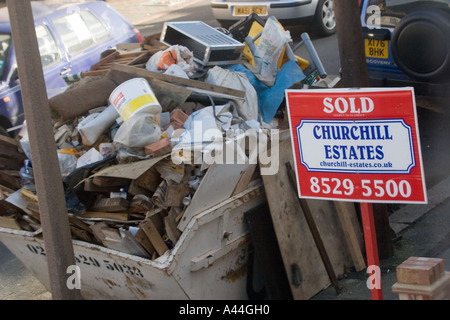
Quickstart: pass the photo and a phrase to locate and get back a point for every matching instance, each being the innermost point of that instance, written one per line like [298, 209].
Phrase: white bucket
[134, 96]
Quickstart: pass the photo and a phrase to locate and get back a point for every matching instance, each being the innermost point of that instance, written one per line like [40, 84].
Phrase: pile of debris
[133, 133]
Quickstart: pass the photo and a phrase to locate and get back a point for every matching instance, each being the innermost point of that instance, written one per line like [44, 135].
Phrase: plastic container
[134, 96]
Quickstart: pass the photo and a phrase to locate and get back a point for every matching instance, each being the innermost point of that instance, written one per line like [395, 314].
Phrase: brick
[176, 125]
[177, 115]
[422, 260]
[420, 271]
[159, 148]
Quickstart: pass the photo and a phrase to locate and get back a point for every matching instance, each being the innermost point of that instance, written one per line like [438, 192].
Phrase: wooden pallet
[131, 59]
[138, 57]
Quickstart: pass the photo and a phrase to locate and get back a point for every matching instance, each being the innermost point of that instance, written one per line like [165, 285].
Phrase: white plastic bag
[137, 132]
[205, 125]
[178, 55]
[91, 156]
[247, 108]
[269, 49]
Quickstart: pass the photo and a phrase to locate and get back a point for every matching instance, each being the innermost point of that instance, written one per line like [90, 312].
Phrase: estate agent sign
[358, 145]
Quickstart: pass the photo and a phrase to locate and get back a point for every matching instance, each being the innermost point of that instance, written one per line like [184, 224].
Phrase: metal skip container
[209, 261]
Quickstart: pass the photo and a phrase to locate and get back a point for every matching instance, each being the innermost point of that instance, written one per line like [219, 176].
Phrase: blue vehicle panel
[407, 44]
[71, 38]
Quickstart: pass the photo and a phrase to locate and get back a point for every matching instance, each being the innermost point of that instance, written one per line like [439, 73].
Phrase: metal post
[370, 237]
[47, 174]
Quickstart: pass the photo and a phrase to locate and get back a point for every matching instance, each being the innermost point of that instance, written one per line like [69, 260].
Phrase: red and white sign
[358, 145]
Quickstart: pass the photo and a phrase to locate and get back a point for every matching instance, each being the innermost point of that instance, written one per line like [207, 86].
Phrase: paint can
[134, 96]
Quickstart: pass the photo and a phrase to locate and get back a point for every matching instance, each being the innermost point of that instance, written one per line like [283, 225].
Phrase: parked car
[407, 44]
[318, 13]
[71, 38]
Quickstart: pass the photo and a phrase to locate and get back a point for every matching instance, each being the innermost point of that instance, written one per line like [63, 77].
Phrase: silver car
[317, 13]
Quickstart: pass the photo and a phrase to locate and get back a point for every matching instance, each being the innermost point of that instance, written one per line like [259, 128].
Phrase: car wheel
[421, 46]
[324, 23]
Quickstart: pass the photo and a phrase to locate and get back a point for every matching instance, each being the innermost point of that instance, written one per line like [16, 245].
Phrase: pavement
[420, 230]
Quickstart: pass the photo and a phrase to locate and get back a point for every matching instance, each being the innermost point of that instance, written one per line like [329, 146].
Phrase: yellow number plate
[246, 11]
[377, 48]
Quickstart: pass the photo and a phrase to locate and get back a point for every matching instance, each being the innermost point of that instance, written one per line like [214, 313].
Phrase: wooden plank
[112, 56]
[144, 241]
[110, 181]
[162, 89]
[99, 215]
[89, 186]
[28, 194]
[110, 205]
[149, 180]
[104, 65]
[172, 232]
[246, 177]
[303, 264]
[154, 236]
[345, 212]
[10, 181]
[315, 232]
[178, 80]
[9, 150]
[8, 141]
[9, 222]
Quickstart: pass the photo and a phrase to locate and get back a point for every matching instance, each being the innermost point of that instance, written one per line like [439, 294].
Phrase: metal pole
[370, 237]
[47, 174]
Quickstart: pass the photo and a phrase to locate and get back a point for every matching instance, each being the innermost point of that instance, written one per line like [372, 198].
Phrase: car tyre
[420, 44]
[324, 23]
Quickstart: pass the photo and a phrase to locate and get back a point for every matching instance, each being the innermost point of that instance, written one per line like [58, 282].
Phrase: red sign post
[359, 145]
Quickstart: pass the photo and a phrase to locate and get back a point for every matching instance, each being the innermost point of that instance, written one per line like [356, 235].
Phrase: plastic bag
[269, 49]
[178, 55]
[206, 125]
[137, 132]
[67, 162]
[247, 108]
[91, 156]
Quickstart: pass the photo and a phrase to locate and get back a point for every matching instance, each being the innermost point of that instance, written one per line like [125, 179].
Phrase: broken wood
[178, 80]
[346, 210]
[100, 215]
[110, 181]
[110, 205]
[163, 90]
[103, 66]
[315, 232]
[144, 241]
[154, 236]
[303, 264]
[10, 222]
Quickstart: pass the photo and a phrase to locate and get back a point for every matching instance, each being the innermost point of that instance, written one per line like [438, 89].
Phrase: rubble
[128, 183]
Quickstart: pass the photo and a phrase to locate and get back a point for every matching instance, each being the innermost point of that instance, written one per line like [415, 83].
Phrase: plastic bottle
[26, 174]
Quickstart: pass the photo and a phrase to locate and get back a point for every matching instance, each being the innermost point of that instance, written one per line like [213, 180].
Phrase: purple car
[71, 38]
